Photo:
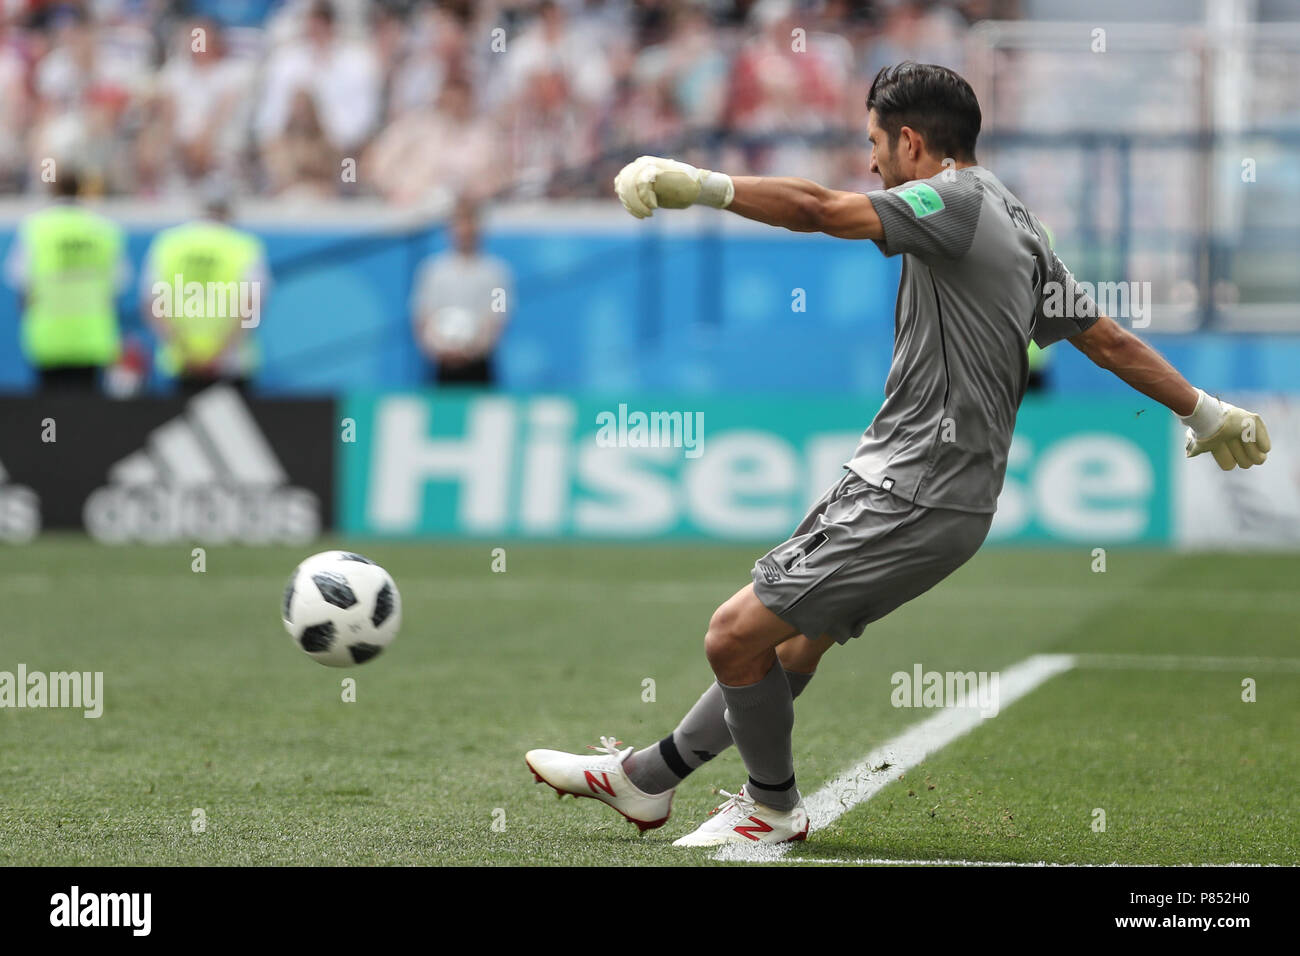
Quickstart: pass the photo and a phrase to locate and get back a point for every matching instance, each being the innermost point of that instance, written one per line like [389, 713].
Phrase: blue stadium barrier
[596, 310]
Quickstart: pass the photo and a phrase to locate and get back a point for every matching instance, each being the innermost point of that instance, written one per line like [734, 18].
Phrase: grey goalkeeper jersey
[976, 272]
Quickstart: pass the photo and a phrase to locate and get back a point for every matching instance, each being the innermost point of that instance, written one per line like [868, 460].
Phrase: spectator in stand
[340, 81]
[70, 68]
[690, 67]
[302, 163]
[460, 305]
[433, 154]
[203, 107]
[440, 50]
[777, 86]
[602, 23]
[551, 47]
[15, 108]
[548, 133]
[641, 113]
[912, 30]
[511, 14]
[388, 44]
[784, 82]
[83, 92]
[107, 160]
[577, 80]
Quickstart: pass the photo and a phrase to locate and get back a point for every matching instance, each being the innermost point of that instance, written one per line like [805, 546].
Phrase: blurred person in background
[548, 132]
[71, 66]
[321, 81]
[15, 108]
[440, 49]
[107, 156]
[388, 45]
[550, 44]
[511, 13]
[650, 18]
[68, 264]
[689, 65]
[460, 304]
[437, 152]
[778, 85]
[774, 84]
[575, 80]
[300, 163]
[926, 32]
[640, 113]
[205, 338]
[555, 88]
[602, 23]
[85, 85]
[202, 108]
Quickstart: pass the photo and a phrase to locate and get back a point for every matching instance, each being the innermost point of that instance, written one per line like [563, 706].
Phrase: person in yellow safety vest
[203, 288]
[68, 264]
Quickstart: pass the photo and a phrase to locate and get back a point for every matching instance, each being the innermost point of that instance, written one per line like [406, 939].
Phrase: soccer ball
[341, 608]
[453, 327]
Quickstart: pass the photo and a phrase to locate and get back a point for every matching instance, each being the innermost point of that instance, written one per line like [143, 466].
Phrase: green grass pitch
[209, 707]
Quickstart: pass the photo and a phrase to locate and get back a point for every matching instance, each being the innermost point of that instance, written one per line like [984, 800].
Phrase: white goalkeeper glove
[651, 183]
[1232, 435]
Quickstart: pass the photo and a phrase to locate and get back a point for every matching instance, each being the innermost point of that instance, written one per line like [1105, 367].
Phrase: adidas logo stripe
[209, 474]
[215, 442]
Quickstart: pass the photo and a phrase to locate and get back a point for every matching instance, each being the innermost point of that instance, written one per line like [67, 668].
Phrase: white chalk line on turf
[882, 766]
[1041, 864]
[1180, 662]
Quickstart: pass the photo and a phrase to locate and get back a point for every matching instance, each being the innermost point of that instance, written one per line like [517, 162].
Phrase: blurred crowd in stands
[418, 100]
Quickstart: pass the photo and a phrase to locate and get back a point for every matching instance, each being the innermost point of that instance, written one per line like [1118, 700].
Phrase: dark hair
[322, 10]
[67, 184]
[934, 101]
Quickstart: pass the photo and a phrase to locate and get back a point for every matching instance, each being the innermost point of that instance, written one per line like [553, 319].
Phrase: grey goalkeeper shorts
[858, 554]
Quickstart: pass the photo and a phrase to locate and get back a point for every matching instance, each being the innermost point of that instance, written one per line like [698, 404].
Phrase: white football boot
[601, 776]
[743, 820]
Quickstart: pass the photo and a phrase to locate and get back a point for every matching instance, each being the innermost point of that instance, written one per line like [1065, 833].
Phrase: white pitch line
[870, 775]
[1044, 864]
[1178, 662]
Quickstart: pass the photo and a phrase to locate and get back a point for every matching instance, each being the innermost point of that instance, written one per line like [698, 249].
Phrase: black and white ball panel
[341, 608]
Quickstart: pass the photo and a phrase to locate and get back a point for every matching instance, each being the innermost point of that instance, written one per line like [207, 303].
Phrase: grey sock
[701, 736]
[761, 718]
[797, 681]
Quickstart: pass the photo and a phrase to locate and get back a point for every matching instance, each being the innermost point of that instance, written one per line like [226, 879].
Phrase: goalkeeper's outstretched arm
[1114, 348]
[801, 205]
[1234, 436]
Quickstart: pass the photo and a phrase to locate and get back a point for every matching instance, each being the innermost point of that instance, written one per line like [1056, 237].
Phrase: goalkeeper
[979, 282]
